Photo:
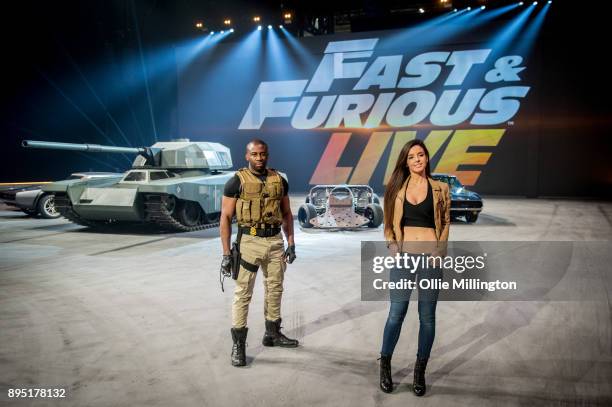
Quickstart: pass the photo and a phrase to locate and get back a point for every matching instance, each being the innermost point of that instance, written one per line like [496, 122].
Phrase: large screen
[338, 109]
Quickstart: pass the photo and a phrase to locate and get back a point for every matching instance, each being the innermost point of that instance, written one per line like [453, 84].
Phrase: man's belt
[260, 232]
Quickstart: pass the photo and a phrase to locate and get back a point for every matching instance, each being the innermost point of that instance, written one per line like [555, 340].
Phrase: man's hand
[226, 265]
[289, 255]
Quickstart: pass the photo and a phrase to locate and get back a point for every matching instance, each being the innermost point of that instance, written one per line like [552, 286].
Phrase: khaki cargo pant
[267, 253]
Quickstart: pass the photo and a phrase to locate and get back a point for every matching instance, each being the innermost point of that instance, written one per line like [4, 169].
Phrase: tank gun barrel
[91, 148]
[177, 154]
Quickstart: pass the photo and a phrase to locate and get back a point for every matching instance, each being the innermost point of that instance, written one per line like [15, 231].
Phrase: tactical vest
[259, 201]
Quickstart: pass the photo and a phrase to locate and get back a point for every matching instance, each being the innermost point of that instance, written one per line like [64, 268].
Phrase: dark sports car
[463, 201]
[31, 199]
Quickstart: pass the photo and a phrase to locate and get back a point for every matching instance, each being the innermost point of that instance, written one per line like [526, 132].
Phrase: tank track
[64, 207]
[156, 212]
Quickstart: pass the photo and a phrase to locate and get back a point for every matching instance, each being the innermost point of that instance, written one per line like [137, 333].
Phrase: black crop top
[421, 214]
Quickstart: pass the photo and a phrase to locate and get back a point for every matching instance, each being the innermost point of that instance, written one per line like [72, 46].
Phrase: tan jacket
[441, 202]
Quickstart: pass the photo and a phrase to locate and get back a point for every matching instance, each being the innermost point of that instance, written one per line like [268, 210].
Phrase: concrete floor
[130, 319]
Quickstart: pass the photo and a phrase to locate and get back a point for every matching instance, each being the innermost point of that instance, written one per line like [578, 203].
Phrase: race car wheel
[305, 214]
[471, 217]
[46, 207]
[374, 212]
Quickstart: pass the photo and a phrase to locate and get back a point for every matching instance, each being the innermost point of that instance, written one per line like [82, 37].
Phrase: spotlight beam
[492, 14]
[298, 48]
[93, 92]
[428, 24]
[529, 36]
[504, 37]
[428, 31]
[79, 110]
[137, 124]
[144, 69]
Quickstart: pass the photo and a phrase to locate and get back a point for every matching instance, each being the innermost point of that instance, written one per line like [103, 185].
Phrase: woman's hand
[432, 256]
[393, 248]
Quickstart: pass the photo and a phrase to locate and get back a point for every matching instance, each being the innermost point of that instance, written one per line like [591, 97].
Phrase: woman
[417, 209]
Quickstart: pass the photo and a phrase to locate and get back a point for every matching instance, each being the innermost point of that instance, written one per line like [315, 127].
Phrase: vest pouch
[255, 210]
[275, 190]
[239, 209]
[245, 211]
[252, 189]
[271, 211]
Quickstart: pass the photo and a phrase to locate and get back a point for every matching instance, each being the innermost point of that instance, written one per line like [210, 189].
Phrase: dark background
[103, 72]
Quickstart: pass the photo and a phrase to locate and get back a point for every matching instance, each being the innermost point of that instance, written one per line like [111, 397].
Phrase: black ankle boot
[418, 385]
[274, 337]
[238, 349]
[386, 383]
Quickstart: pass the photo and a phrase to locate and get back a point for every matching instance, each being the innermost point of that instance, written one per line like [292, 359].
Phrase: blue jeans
[427, 316]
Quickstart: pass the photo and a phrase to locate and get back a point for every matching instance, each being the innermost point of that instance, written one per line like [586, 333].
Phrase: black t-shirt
[232, 187]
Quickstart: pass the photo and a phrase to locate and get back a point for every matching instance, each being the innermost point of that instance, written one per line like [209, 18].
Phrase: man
[258, 197]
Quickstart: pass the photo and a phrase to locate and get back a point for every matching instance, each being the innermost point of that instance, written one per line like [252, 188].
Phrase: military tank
[176, 185]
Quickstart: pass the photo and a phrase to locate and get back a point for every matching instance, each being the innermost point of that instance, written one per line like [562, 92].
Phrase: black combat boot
[386, 383]
[274, 337]
[418, 386]
[238, 349]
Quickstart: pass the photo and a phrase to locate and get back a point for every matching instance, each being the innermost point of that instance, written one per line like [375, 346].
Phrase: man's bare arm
[228, 207]
[287, 220]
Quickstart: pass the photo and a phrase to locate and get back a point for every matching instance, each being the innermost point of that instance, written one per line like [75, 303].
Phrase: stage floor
[131, 318]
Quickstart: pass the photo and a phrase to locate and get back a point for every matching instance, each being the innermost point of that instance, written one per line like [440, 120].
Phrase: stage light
[469, 8]
[222, 31]
[280, 26]
[199, 24]
[269, 27]
[421, 11]
[258, 28]
[549, 1]
[483, 7]
[287, 16]
[535, 3]
[521, 3]
[231, 30]
[506, 38]
[530, 32]
[493, 13]
[212, 32]
[227, 21]
[256, 19]
[304, 56]
[454, 10]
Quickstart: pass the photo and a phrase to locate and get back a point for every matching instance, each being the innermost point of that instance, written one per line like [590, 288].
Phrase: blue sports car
[463, 201]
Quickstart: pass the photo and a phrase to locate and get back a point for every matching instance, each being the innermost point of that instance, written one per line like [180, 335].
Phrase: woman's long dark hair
[397, 179]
